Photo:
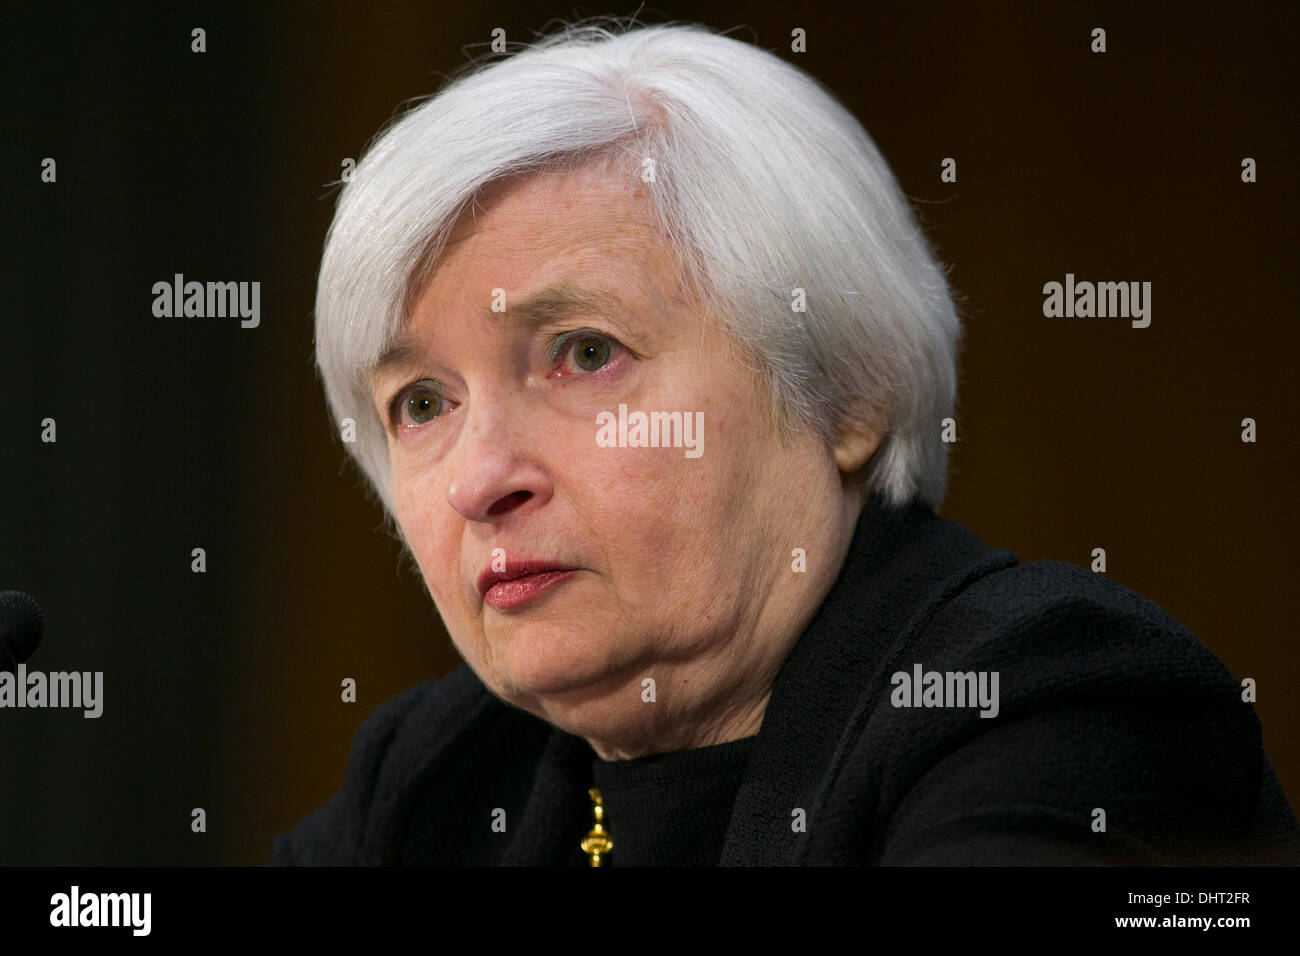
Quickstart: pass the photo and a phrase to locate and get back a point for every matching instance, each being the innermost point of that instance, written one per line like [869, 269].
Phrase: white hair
[764, 183]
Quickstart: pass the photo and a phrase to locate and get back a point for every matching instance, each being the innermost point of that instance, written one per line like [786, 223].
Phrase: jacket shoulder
[387, 751]
[1090, 697]
[1054, 619]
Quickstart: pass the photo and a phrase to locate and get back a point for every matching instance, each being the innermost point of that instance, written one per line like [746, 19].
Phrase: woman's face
[553, 305]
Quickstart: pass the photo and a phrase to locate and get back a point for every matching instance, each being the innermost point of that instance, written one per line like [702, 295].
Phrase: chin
[611, 711]
[549, 660]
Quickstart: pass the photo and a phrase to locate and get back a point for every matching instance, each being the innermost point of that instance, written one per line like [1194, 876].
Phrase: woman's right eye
[417, 405]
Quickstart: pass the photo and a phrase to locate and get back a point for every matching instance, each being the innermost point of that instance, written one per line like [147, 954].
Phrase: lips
[521, 582]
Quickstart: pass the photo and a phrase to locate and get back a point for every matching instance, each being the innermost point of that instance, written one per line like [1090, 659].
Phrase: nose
[497, 471]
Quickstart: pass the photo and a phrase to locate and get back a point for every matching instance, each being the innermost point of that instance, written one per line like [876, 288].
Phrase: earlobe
[854, 448]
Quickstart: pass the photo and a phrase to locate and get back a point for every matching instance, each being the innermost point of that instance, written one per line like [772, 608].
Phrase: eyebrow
[556, 301]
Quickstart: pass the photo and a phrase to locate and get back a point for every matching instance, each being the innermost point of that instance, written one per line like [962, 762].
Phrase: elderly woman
[648, 361]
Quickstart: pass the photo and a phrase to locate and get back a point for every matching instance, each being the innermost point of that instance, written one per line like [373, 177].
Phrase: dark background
[222, 689]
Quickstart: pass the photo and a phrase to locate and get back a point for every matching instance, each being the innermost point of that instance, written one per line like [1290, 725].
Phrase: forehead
[528, 218]
[595, 223]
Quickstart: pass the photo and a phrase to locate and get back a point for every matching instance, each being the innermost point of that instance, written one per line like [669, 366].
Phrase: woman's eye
[417, 405]
[585, 352]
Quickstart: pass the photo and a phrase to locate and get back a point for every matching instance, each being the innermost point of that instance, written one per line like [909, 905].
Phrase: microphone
[21, 626]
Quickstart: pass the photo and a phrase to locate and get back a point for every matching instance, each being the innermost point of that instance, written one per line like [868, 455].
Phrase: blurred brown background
[1075, 433]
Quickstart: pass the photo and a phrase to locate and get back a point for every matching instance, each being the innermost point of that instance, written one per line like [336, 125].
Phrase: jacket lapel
[558, 812]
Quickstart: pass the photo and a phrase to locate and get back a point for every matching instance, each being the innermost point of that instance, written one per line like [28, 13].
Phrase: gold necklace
[597, 843]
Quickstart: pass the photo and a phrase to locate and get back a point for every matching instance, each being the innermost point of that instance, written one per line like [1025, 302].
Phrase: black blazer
[1105, 703]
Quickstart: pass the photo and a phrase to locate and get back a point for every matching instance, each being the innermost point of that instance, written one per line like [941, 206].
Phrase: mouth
[522, 582]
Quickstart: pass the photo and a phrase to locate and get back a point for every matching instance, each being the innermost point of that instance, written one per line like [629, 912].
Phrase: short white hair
[764, 183]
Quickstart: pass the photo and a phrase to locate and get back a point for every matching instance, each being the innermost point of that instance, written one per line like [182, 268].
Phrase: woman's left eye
[584, 352]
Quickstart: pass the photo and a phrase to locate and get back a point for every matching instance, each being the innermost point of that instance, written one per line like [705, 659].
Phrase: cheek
[662, 517]
[421, 513]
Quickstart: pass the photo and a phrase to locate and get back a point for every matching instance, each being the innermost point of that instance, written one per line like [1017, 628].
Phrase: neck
[741, 722]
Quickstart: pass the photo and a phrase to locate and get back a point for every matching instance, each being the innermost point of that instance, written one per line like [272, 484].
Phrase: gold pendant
[597, 843]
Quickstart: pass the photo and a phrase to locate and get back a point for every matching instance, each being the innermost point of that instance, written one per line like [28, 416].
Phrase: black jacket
[1105, 703]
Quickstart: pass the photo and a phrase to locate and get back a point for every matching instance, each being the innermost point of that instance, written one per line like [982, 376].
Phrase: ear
[856, 443]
